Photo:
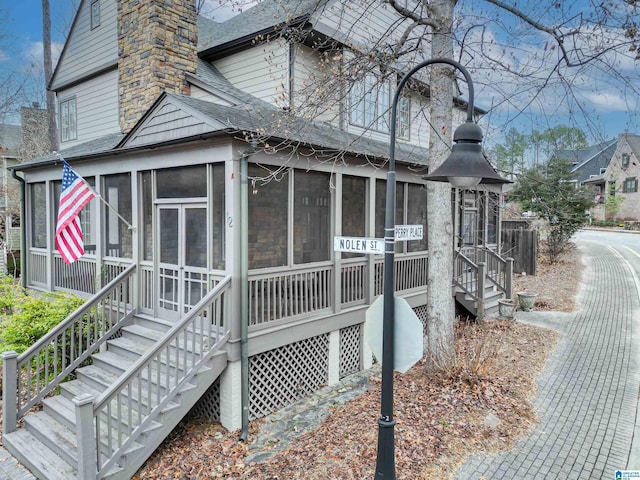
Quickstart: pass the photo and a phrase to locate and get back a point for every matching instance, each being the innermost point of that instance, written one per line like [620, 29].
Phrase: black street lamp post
[465, 167]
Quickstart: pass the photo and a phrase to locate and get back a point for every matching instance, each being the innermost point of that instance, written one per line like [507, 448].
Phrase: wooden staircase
[133, 389]
[479, 286]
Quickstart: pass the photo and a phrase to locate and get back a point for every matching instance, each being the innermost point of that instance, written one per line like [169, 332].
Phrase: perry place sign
[375, 246]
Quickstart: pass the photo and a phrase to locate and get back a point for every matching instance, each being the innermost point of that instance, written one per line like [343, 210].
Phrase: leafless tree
[527, 58]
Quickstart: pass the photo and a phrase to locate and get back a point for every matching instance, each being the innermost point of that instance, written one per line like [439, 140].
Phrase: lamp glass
[464, 182]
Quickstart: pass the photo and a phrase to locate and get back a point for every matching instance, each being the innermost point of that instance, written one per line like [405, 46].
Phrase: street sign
[359, 245]
[409, 232]
[407, 333]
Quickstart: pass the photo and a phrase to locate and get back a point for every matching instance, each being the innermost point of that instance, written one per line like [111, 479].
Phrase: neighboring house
[10, 142]
[616, 186]
[226, 293]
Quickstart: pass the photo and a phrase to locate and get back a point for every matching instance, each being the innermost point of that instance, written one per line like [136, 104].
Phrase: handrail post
[9, 392]
[482, 271]
[509, 278]
[87, 453]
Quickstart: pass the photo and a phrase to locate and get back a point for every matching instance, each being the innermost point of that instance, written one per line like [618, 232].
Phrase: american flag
[75, 194]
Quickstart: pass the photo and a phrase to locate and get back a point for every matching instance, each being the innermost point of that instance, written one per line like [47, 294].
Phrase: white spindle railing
[127, 408]
[39, 370]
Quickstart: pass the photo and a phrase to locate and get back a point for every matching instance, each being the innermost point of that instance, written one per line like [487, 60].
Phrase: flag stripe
[75, 194]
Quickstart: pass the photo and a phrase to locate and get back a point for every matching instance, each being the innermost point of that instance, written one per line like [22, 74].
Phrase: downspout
[244, 294]
[23, 230]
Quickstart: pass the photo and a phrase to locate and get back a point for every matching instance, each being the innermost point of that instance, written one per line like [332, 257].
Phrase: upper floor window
[625, 160]
[630, 185]
[95, 14]
[369, 102]
[68, 120]
[403, 127]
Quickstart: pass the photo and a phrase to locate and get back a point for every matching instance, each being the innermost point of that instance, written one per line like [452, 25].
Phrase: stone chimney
[35, 127]
[157, 46]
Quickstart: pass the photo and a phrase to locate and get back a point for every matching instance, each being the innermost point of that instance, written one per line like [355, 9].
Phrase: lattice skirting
[280, 377]
[421, 312]
[209, 404]
[350, 350]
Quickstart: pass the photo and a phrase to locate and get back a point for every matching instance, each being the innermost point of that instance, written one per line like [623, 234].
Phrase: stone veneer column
[157, 46]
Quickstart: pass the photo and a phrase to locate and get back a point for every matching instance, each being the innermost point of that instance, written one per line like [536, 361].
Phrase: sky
[602, 107]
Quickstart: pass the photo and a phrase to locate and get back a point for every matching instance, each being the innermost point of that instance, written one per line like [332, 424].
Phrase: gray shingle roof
[272, 125]
[262, 17]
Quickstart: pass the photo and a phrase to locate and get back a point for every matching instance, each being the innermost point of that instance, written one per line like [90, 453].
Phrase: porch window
[268, 218]
[354, 190]
[381, 206]
[470, 211]
[68, 120]
[218, 217]
[117, 241]
[182, 182]
[38, 207]
[630, 185]
[147, 215]
[311, 217]
[88, 217]
[417, 215]
[493, 214]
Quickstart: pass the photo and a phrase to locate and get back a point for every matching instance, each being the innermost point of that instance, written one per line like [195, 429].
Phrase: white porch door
[182, 268]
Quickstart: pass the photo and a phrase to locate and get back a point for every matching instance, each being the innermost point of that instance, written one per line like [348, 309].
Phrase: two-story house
[230, 157]
[611, 170]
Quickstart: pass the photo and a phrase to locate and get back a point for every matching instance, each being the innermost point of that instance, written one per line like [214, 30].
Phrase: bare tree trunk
[48, 71]
[440, 304]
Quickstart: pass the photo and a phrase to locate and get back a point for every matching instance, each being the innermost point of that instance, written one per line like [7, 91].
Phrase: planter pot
[506, 308]
[526, 300]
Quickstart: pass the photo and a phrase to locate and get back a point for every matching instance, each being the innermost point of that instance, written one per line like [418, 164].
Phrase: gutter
[23, 229]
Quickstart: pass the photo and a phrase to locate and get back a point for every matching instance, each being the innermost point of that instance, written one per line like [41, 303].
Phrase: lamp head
[466, 166]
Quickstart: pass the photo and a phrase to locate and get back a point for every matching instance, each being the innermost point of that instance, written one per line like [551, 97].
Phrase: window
[87, 216]
[417, 215]
[403, 127]
[311, 214]
[354, 213]
[117, 239]
[625, 160]
[182, 182]
[369, 101]
[630, 185]
[268, 219]
[493, 214]
[612, 188]
[68, 120]
[38, 207]
[95, 14]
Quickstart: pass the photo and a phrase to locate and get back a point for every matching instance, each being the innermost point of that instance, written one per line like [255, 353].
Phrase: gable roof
[634, 143]
[588, 162]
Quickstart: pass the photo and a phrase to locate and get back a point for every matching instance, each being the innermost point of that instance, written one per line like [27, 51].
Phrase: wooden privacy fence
[522, 246]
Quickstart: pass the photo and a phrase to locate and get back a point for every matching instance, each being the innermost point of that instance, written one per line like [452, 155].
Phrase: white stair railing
[30, 376]
[128, 408]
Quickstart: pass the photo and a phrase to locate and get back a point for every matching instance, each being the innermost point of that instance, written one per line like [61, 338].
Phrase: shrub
[33, 318]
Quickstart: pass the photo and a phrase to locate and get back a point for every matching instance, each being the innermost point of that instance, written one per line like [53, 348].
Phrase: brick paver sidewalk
[588, 394]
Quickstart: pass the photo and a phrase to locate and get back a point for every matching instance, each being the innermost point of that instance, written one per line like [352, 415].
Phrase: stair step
[62, 410]
[57, 437]
[153, 323]
[138, 333]
[34, 454]
[111, 362]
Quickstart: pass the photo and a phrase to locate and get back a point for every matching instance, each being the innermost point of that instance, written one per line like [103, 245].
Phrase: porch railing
[127, 409]
[499, 271]
[30, 376]
[410, 272]
[297, 291]
[465, 274]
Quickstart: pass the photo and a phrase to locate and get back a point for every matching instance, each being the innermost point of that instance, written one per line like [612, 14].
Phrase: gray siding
[262, 71]
[88, 51]
[97, 107]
